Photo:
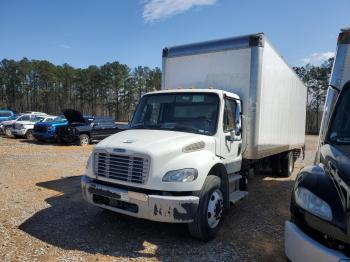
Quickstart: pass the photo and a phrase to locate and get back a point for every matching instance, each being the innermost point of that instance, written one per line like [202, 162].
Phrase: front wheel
[8, 131]
[208, 219]
[84, 140]
[29, 135]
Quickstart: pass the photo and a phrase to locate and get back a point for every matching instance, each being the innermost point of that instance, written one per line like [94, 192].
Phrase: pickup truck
[84, 130]
[23, 127]
[226, 107]
[47, 131]
[319, 229]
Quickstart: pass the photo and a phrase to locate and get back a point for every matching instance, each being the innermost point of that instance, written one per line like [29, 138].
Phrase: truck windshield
[340, 128]
[185, 112]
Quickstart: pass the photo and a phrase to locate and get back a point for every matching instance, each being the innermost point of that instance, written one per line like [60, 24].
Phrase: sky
[134, 32]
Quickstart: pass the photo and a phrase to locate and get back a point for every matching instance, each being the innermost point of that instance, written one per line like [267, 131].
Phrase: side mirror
[238, 130]
[235, 134]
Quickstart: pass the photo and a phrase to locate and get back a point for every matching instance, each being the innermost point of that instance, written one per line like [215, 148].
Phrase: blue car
[47, 131]
[6, 115]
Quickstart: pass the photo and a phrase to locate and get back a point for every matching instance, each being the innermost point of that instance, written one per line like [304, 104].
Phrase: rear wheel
[8, 131]
[84, 140]
[29, 135]
[210, 210]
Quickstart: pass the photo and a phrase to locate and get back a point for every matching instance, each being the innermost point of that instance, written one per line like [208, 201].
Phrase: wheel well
[220, 171]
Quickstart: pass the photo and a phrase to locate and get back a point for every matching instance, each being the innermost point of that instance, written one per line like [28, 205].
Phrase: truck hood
[73, 116]
[8, 122]
[153, 142]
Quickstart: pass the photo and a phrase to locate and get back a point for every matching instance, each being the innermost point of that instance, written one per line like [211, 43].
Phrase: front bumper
[18, 132]
[300, 247]
[44, 136]
[171, 209]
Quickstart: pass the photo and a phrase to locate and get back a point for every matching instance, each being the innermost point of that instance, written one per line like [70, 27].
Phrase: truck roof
[195, 90]
[245, 41]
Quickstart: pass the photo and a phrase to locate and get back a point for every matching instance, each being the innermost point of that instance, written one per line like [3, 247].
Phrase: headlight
[312, 203]
[88, 163]
[182, 175]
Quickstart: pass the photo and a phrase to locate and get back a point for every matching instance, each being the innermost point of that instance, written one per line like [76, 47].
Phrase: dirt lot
[43, 216]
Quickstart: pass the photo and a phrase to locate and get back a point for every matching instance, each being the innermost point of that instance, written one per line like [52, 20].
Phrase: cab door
[231, 139]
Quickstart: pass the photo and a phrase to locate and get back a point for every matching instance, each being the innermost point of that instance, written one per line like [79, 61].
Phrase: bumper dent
[300, 247]
[171, 209]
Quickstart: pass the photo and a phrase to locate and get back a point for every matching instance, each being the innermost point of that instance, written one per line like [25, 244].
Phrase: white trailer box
[273, 97]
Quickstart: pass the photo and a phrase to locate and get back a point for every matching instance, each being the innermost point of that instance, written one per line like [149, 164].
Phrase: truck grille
[128, 168]
[39, 128]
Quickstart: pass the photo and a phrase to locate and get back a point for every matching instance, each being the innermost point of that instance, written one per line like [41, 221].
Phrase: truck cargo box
[273, 97]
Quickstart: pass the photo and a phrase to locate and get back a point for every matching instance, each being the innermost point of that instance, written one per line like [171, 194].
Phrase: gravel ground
[44, 218]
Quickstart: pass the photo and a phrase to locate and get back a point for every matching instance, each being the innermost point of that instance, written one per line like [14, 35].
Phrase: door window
[229, 115]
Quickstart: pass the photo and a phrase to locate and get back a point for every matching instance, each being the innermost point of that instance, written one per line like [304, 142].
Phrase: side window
[24, 118]
[229, 115]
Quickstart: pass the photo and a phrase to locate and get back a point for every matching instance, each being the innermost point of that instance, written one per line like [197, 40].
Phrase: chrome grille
[128, 168]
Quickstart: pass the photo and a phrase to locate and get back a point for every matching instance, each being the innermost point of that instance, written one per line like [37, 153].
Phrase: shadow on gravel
[253, 229]
[42, 143]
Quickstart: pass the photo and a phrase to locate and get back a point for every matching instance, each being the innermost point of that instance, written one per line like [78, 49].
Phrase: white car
[23, 127]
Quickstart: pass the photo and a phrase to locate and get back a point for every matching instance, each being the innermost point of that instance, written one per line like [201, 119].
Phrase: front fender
[203, 161]
[319, 182]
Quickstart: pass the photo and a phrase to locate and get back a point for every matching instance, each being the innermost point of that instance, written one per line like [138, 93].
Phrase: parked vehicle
[23, 127]
[319, 229]
[47, 131]
[5, 126]
[6, 115]
[35, 113]
[84, 130]
[188, 152]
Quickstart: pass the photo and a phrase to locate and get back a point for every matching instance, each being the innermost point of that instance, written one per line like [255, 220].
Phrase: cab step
[237, 195]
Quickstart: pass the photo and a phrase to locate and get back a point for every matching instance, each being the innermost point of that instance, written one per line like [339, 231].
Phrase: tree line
[316, 79]
[112, 89]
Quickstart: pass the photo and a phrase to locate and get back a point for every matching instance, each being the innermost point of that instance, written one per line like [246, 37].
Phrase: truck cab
[174, 138]
[319, 229]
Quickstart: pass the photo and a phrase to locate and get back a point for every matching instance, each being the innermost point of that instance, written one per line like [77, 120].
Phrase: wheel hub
[215, 208]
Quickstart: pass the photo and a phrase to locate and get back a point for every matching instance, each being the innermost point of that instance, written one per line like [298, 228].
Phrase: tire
[287, 163]
[84, 140]
[29, 135]
[7, 131]
[209, 215]
[276, 165]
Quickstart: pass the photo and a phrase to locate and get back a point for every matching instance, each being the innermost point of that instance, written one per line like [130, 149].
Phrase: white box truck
[226, 106]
